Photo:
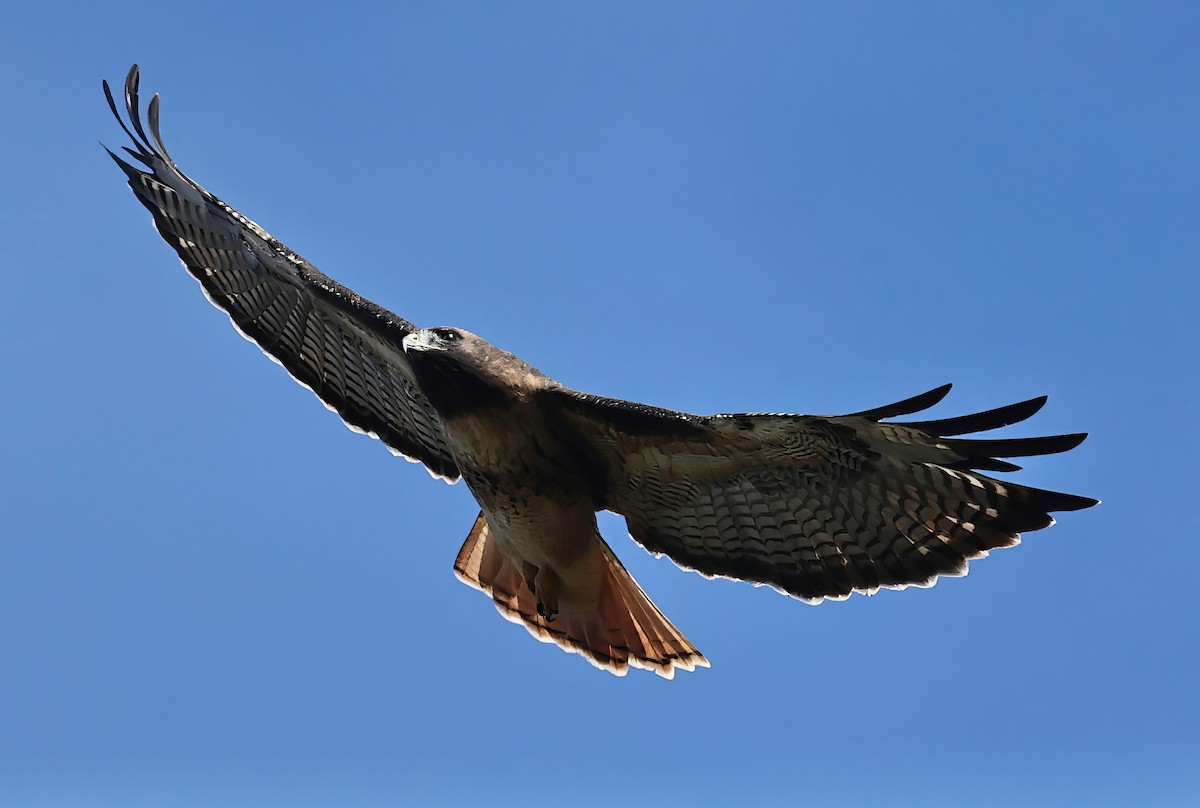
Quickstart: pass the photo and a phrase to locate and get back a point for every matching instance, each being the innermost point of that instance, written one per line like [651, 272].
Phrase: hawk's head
[450, 340]
[461, 372]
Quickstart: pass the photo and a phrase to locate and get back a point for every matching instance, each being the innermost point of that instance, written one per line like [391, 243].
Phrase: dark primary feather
[983, 454]
[909, 405]
[343, 347]
[817, 507]
[980, 421]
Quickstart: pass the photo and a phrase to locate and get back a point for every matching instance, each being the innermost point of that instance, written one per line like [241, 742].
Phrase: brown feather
[625, 629]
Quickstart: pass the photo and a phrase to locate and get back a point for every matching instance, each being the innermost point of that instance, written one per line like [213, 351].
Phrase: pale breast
[536, 497]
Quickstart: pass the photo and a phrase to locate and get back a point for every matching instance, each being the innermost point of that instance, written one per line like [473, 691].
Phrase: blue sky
[213, 593]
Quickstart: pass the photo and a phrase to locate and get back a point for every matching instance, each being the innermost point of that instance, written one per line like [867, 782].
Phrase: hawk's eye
[446, 335]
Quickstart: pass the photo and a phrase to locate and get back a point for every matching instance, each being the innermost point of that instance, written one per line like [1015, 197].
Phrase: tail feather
[623, 629]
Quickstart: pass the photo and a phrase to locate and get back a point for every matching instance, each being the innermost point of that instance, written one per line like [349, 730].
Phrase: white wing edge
[356, 429]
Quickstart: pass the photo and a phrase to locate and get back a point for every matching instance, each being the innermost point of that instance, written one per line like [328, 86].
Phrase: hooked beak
[423, 340]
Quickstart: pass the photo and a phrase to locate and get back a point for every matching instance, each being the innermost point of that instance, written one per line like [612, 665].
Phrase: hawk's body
[817, 507]
[536, 548]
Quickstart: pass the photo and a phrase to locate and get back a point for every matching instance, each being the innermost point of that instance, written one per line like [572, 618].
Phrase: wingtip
[130, 171]
[917, 403]
[1056, 501]
[1081, 503]
[1073, 439]
[1023, 409]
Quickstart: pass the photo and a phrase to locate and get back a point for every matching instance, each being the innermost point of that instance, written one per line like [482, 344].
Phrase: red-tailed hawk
[813, 506]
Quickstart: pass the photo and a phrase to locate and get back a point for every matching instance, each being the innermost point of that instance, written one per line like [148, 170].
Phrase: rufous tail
[623, 628]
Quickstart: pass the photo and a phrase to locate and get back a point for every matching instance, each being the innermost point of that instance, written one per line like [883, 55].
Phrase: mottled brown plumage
[816, 507]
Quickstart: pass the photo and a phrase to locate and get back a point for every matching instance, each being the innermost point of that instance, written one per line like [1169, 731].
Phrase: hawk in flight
[814, 506]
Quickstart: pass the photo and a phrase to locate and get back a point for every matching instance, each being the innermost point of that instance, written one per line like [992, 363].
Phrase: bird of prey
[814, 506]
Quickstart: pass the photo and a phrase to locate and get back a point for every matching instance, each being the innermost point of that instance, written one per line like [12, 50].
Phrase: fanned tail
[624, 628]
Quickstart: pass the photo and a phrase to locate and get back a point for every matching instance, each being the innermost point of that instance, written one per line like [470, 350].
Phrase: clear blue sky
[212, 593]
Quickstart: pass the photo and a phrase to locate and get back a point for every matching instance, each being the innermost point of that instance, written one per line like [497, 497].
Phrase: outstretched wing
[341, 346]
[817, 507]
